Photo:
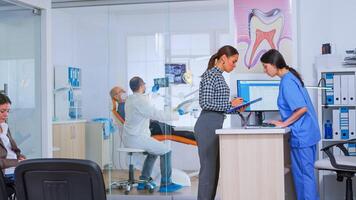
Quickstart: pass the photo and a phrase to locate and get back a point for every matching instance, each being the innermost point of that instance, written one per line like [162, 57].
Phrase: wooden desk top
[254, 131]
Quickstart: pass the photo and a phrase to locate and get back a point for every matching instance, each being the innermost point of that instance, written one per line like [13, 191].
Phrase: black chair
[60, 179]
[7, 191]
[343, 165]
[3, 191]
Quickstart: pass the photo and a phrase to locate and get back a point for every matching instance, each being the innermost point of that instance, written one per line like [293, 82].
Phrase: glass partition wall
[20, 74]
[168, 45]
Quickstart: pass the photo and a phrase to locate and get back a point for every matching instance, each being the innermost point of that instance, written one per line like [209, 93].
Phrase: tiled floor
[123, 175]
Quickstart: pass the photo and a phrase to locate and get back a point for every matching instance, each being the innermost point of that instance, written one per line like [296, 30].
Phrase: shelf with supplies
[336, 117]
[332, 140]
[337, 106]
[67, 92]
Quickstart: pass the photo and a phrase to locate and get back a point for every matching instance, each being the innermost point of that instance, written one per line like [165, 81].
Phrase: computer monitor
[253, 89]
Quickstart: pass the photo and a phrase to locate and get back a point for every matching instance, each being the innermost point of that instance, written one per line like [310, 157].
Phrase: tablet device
[244, 104]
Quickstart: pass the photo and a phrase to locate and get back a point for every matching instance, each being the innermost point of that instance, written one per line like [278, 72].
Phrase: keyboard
[264, 125]
[268, 125]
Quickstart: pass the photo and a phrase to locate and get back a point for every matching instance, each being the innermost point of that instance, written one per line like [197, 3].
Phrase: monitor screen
[253, 89]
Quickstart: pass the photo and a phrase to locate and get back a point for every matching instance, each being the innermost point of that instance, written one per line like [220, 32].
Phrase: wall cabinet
[69, 139]
[336, 115]
[99, 150]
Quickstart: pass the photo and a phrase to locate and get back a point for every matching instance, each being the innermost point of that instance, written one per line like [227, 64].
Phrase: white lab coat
[138, 112]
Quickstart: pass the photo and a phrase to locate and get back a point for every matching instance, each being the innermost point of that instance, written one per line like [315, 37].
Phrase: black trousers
[208, 149]
[10, 186]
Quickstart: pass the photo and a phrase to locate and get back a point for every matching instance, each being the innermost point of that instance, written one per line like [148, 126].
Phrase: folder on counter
[336, 124]
[351, 89]
[344, 91]
[329, 93]
[337, 89]
[352, 124]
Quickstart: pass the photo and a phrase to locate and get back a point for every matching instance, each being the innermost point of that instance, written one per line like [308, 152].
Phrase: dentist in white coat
[139, 110]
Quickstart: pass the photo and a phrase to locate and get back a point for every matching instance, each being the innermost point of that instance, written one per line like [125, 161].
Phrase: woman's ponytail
[295, 73]
[225, 50]
[212, 61]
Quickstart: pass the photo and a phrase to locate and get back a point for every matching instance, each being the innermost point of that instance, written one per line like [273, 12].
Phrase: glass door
[20, 74]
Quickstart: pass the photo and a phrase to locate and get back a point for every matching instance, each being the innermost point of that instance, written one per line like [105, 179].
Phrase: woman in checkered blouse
[214, 99]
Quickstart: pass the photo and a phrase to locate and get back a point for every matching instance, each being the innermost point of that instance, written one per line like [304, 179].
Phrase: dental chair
[343, 165]
[185, 137]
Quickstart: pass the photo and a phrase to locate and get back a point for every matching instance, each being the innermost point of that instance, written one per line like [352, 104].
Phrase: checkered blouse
[214, 93]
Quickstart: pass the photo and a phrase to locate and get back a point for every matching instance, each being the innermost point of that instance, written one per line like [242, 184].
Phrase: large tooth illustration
[265, 32]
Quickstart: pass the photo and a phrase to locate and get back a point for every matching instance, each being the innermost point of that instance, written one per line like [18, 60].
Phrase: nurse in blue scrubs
[297, 113]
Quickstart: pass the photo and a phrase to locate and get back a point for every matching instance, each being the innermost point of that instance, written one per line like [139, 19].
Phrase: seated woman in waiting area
[10, 154]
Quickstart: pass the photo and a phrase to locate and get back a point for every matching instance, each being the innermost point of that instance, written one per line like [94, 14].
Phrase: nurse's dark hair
[275, 58]
[135, 83]
[225, 50]
[4, 99]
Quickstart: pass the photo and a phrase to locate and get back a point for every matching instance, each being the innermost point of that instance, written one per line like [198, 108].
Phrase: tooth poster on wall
[260, 26]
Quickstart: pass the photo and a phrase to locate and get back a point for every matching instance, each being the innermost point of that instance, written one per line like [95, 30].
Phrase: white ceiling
[4, 3]
[6, 6]
[86, 3]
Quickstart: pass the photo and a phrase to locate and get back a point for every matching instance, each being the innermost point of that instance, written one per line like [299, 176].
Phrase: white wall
[81, 39]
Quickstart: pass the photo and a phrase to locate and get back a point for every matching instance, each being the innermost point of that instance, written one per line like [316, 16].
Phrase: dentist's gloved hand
[181, 111]
[155, 88]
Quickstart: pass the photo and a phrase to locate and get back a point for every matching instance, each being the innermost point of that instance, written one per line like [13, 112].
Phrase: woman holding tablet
[297, 112]
[214, 99]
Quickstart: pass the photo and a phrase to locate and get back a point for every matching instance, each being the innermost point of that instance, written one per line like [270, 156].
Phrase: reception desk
[253, 163]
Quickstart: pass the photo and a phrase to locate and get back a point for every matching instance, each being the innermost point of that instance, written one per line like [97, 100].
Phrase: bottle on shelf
[328, 130]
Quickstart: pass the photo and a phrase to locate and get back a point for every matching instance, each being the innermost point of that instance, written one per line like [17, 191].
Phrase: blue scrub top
[292, 95]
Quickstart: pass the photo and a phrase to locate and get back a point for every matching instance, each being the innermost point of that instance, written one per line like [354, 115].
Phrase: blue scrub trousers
[303, 160]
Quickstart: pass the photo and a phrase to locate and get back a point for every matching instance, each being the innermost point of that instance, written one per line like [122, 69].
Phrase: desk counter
[253, 163]
[259, 131]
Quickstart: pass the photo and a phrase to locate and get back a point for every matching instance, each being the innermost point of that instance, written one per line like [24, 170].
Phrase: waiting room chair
[6, 192]
[343, 165]
[59, 179]
[131, 182]
[3, 192]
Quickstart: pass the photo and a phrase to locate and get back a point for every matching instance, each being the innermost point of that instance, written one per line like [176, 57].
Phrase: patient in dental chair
[160, 131]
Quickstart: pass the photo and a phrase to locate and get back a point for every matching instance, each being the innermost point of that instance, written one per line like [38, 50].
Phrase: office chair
[3, 191]
[60, 179]
[343, 165]
[131, 182]
[7, 192]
